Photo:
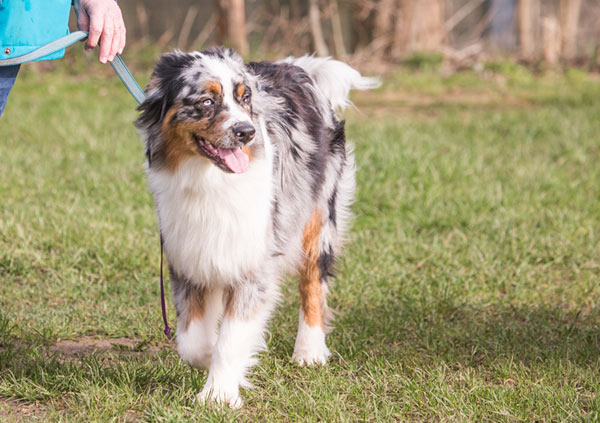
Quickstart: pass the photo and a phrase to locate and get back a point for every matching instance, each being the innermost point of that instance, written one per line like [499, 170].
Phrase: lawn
[469, 290]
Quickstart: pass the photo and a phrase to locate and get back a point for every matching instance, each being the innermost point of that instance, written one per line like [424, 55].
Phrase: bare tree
[569, 11]
[419, 26]
[551, 40]
[184, 34]
[529, 11]
[336, 26]
[384, 21]
[231, 24]
[314, 15]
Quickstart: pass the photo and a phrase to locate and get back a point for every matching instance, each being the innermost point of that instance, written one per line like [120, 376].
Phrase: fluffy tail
[334, 78]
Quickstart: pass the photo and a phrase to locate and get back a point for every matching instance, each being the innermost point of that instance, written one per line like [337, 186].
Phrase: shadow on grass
[419, 333]
[466, 335]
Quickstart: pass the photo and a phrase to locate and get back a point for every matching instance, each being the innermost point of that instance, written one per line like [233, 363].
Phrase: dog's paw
[229, 395]
[308, 357]
[310, 347]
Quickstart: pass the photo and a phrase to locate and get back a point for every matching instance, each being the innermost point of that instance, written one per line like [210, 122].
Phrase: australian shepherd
[252, 179]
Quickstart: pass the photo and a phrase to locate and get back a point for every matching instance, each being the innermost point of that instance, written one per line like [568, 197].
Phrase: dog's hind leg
[310, 345]
[198, 312]
[249, 306]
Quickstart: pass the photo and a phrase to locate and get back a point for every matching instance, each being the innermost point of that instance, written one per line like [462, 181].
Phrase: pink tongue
[235, 159]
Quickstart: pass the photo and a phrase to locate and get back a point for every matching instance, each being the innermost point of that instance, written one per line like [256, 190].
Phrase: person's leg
[8, 74]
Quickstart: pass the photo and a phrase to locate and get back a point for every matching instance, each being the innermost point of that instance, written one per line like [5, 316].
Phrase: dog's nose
[244, 132]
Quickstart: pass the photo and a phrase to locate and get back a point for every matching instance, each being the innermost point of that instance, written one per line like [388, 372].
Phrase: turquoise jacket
[26, 25]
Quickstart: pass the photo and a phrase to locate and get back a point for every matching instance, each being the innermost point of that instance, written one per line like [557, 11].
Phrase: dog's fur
[252, 178]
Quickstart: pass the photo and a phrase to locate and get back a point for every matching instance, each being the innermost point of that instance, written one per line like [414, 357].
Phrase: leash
[63, 42]
[167, 329]
[134, 89]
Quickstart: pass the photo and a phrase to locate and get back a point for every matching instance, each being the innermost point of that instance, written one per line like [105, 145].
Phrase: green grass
[468, 291]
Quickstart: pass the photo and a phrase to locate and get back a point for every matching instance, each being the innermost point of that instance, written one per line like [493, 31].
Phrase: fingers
[83, 21]
[104, 22]
[119, 40]
[106, 40]
[96, 29]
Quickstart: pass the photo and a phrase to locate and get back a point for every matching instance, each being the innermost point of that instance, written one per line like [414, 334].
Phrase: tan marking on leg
[196, 305]
[310, 288]
[228, 296]
[242, 303]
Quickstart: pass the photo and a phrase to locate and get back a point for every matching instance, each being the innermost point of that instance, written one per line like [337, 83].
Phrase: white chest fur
[214, 224]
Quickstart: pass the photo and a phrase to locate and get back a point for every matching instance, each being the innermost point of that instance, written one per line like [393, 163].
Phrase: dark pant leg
[8, 74]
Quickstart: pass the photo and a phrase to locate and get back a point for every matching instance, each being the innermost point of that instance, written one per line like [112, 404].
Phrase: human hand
[103, 21]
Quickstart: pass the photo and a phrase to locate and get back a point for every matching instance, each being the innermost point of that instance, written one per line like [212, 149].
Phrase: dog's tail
[334, 78]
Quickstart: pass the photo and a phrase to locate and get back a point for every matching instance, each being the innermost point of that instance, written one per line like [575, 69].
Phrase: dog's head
[198, 104]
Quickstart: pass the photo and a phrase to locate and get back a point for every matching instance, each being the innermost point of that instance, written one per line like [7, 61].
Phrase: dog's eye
[207, 102]
[246, 99]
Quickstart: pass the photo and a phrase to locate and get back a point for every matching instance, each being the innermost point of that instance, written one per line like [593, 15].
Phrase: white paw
[308, 357]
[229, 395]
[310, 346]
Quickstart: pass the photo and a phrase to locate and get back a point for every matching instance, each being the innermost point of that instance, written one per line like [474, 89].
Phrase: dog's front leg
[199, 311]
[247, 311]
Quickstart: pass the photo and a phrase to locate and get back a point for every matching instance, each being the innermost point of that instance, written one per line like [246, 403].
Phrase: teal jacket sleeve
[26, 25]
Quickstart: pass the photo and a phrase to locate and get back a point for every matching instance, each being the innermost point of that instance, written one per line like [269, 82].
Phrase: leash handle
[46, 49]
[63, 42]
[163, 306]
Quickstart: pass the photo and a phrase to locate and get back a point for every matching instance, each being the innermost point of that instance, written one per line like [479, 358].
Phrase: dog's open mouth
[228, 159]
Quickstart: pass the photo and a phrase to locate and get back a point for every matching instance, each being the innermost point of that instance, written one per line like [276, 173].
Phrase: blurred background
[461, 33]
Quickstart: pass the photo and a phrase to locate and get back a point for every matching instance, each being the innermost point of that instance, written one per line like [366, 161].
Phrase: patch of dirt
[88, 345]
[68, 350]
[14, 411]
[72, 349]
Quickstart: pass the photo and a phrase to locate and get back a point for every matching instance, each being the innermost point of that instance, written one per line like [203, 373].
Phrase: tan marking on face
[213, 86]
[248, 151]
[311, 293]
[179, 143]
[196, 305]
[240, 90]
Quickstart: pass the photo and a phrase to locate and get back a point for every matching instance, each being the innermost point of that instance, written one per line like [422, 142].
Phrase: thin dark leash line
[163, 306]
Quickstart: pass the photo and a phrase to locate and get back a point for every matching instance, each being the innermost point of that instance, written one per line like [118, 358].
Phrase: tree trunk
[419, 26]
[383, 33]
[528, 15]
[314, 16]
[551, 40]
[221, 13]
[231, 24]
[237, 26]
[428, 25]
[569, 19]
[336, 25]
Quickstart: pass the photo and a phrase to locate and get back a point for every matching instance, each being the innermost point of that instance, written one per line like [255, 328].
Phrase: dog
[252, 179]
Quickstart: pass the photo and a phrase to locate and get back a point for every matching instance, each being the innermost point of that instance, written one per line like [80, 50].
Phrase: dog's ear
[165, 84]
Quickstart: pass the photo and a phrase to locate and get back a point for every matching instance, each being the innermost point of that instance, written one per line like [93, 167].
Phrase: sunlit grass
[468, 292]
